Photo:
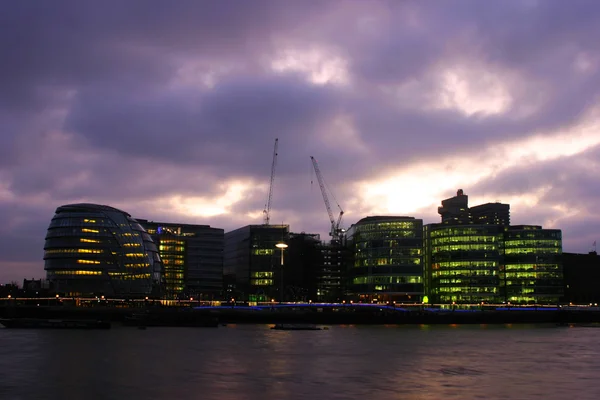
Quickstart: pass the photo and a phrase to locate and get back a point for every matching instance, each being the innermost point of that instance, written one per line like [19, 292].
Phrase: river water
[345, 362]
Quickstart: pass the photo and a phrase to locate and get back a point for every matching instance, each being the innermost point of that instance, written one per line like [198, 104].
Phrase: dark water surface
[254, 362]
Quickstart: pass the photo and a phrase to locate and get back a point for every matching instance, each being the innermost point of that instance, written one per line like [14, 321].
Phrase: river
[242, 362]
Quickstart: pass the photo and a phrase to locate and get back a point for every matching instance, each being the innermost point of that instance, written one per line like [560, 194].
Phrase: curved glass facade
[532, 271]
[463, 263]
[99, 250]
[387, 259]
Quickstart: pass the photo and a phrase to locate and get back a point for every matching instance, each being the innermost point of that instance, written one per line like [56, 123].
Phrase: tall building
[253, 262]
[532, 270]
[455, 210]
[331, 272]
[192, 257]
[94, 249]
[387, 254]
[462, 263]
[490, 214]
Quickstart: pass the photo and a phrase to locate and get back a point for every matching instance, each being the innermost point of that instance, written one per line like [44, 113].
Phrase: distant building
[253, 262]
[581, 278]
[490, 214]
[455, 210]
[94, 249]
[387, 259]
[332, 272]
[532, 265]
[192, 257]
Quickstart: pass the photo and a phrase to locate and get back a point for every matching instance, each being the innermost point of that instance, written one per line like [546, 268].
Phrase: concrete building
[490, 214]
[455, 210]
[192, 257]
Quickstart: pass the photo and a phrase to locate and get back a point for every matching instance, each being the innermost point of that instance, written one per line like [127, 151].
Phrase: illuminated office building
[532, 270]
[192, 257]
[455, 210]
[462, 263]
[387, 259]
[252, 261]
[94, 249]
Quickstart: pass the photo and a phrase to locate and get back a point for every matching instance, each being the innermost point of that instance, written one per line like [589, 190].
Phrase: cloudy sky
[169, 111]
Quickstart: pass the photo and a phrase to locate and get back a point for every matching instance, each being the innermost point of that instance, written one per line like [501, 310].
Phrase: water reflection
[255, 362]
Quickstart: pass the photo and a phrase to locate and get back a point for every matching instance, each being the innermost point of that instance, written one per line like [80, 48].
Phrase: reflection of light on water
[424, 327]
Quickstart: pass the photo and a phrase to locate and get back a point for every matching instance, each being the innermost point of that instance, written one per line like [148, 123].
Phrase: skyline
[170, 114]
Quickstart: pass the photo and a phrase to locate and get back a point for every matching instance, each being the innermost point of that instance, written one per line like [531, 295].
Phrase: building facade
[455, 210]
[387, 259]
[192, 257]
[462, 263]
[532, 270]
[253, 262]
[94, 249]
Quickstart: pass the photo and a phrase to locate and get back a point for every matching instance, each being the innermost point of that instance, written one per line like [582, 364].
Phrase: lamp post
[282, 246]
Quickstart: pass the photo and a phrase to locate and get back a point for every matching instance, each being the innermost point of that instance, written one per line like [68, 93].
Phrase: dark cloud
[91, 108]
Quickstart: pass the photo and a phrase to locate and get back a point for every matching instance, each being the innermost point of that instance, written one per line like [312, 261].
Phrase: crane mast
[335, 232]
[267, 210]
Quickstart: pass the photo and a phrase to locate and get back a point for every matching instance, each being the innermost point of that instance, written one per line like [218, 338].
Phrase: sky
[169, 111]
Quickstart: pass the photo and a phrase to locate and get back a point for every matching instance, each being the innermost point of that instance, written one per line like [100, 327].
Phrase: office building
[253, 262]
[532, 270]
[94, 249]
[387, 259]
[462, 263]
[192, 257]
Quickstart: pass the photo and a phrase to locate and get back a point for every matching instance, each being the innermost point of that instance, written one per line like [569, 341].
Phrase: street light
[282, 246]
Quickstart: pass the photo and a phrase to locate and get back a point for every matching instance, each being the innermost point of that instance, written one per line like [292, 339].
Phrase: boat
[36, 323]
[296, 327]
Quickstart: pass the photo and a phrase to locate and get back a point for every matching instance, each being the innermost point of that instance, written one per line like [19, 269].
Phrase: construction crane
[267, 210]
[336, 231]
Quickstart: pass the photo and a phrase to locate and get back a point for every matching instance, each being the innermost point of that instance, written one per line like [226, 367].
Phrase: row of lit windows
[387, 226]
[464, 239]
[463, 264]
[137, 265]
[135, 255]
[466, 247]
[167, 261]
[123, 276]
[465, 272]
[360, 236]
[463, 281]
[527, 267]
[532, 243]
[173, 275]
[469, 289]
[537, 275]
[463, 231]
[172, 241]
[263, 252]
[262, 274]
[72, 251]
[85, 240]
[76, 272]
[88, 262]
[132, 244]
[386, 279]
[380, 262]
[171, 248]
[261, 282]
[533, 250]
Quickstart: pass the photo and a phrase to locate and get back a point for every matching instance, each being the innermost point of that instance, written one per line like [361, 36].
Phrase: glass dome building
[94, 249]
